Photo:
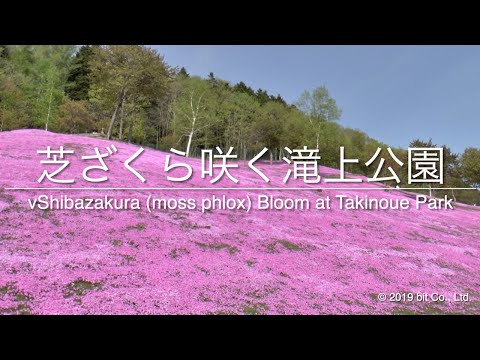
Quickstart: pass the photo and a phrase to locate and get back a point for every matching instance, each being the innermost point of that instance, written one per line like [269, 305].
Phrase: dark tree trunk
[114, 115]
[120, 134]
[130, 128]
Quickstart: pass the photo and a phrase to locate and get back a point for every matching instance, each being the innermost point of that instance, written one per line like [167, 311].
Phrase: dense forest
[129, 93]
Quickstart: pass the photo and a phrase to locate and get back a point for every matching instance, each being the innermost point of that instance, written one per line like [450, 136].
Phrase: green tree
[127, 76]
[43, 70]
[78, 79]
[183, 72]
[74, 117]
[320, 107]
[262, 96]
[4, 53]
[268, 128]
[14, 108]
[242, 88]
[470, 166]
[190, 113]
[294, 131]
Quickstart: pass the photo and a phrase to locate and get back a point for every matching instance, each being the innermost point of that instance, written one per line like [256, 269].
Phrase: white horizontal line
[229, 188]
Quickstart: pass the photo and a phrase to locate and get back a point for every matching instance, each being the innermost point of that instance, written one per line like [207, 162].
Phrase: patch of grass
[289, 245]
[221, 312]
[286, 244]
[19, 296]
[428, 310]
[253, 308]
[217, 247]
[403, 311]
[250, 263]
[7, 288]
[432, 310]
[81, 287]
[116, 243]
[11, 289]
[3, 290]
[138, 227]
[398, 248]
[21, 309]
[22, 297]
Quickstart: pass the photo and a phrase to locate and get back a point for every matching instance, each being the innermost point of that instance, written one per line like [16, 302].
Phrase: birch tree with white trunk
[320, 108]
[191, 115]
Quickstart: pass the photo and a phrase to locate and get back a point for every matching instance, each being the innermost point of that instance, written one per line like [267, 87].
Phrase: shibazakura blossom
[64, 202]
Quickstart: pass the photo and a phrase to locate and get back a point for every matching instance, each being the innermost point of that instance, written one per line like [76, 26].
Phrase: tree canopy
[130, 93]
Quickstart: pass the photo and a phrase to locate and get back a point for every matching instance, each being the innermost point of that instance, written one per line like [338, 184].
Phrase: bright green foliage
[320, 108]
[470, 167]
[127, 79]
[35, 76]
[129, 92]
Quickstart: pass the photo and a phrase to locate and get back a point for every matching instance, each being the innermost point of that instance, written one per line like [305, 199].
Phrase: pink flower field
[221, 261]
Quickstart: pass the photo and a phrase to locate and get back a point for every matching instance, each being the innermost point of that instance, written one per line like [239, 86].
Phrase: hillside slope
[227, 261]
